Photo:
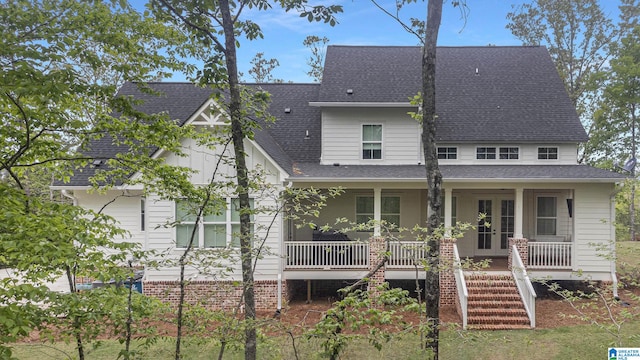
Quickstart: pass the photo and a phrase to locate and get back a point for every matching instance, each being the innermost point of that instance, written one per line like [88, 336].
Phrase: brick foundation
[216, 294]
[523, 248]
[448, 290]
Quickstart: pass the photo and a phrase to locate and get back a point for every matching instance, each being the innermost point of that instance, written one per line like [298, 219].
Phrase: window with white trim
[485, 153]
[216, 230]
[390, 209]
[546, 215]
[447, 153]
[547, 153]
[509, 153]
[371, 141]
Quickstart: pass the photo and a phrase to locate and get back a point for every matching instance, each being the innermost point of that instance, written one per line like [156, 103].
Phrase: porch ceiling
[314, 172]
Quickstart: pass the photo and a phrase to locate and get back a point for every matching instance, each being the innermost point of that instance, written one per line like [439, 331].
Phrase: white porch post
[448, 211]
[517, 231]
[377, 210]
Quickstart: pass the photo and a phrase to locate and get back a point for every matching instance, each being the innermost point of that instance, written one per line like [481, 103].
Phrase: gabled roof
[483, 94]
[516, 95]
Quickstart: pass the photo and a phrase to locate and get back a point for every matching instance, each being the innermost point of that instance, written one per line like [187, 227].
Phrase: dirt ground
[551, 312]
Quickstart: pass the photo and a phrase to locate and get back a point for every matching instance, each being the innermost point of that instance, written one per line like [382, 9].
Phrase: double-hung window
[547, 215]
[215, 230]
[390, 209]
[371, 142]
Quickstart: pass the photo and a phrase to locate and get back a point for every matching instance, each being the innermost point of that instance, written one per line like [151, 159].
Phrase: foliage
[62, 61]
[360, 315]
[317, 46]
[578, 36]
[262, 68]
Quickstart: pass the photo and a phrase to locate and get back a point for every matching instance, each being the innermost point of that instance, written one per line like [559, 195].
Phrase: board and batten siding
[593, 225]
[203, 161]
[342, 136]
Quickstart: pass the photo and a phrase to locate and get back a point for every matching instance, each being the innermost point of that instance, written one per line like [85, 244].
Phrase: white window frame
[546, 154]
[231, 236]
[508, 152]
[485, 155]
[363, 142]
[554, 218]
[447, 152]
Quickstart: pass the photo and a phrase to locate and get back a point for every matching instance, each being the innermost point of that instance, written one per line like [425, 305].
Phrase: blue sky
[362, 23]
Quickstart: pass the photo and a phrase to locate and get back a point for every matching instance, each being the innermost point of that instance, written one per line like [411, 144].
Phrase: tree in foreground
[215, 27]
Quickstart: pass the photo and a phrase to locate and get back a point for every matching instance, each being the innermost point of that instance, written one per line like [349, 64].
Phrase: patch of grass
[575, 342]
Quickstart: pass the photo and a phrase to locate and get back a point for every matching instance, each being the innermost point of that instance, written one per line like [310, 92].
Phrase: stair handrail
[525, 287]
[461, 286]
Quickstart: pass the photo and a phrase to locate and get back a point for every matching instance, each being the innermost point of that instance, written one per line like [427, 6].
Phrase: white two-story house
[507, 140]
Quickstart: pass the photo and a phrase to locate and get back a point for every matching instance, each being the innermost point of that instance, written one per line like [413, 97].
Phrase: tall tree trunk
[238, 136]
[632, 205]
[434, 177]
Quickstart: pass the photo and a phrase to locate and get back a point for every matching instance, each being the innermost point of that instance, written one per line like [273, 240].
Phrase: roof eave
[362, 104]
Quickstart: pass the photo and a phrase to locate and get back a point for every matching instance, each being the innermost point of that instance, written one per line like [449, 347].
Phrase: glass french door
[495, 229]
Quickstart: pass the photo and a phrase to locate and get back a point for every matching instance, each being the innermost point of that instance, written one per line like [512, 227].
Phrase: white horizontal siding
[123, 207]
[593, 225]
[342, 136]
[528, 154]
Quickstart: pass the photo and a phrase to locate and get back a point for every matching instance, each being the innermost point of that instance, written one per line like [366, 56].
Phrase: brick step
[512, 312]
[498, 320]
[490, 283]
[494, 303]
[497, 327]
[491, 303]
[488, 295]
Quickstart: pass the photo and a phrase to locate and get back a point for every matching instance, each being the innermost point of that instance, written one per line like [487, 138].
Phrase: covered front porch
[544, 215]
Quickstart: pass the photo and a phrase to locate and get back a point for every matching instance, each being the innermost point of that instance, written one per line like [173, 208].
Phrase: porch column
[518, 220]
[448, 204]
[377, 210]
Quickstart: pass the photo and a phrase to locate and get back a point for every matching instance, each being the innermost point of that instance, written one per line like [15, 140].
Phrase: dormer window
[447, 153]
[508, 153]
[371, 142]
[547, 153]
[486, 153]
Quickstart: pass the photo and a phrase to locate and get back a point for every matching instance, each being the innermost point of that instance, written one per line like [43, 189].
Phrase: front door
[496, 227]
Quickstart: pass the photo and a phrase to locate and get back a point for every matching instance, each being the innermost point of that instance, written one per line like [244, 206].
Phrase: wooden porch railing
[406, 254]
[326, 255]
[549, 255]
[461, 285]
[525, 287]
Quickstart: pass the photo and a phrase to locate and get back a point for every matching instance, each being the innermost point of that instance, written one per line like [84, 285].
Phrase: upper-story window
[447, 153]
[485, 153]
[547, 153]
[372, 141]
[508, 153]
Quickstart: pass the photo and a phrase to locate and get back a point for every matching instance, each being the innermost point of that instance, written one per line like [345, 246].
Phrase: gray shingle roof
[516, 94]
[577, 173]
